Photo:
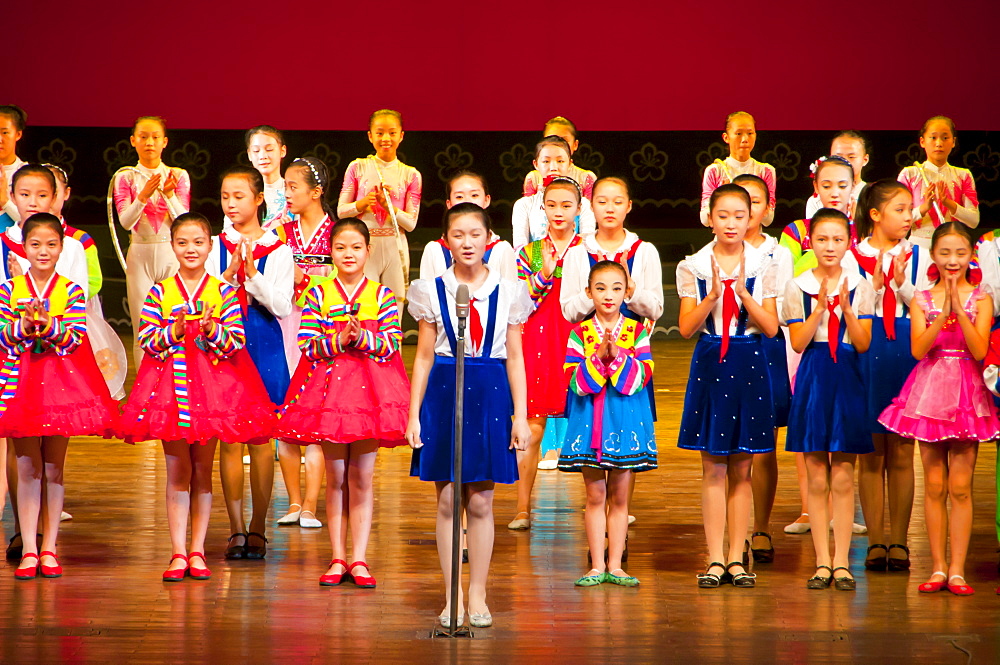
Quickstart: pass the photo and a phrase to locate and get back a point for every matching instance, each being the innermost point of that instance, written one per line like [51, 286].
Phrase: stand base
[461, 631]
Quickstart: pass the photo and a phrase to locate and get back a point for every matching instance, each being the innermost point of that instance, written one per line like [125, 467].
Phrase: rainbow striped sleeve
[632, 369]
[791, 239]
[385, 342]
[315, 343]
[229, 335]
[155, 331]
[586, 371]
[64, 334]
[95, 278]
[11, 332]
[538, 286]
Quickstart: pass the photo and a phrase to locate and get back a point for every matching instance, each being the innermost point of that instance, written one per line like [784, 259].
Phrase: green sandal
[622, 580]
[591, 580]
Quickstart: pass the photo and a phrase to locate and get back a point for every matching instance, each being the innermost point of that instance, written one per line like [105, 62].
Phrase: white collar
[809, 284]
[482, 293]
[701, 261]
[234, 236]
[593, 247]
[732, 160]
[865, 247]
[931, 168]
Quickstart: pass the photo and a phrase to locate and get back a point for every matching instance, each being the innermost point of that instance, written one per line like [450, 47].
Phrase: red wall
[622, 65]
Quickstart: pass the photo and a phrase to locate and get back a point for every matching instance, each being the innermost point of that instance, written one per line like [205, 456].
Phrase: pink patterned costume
[961, 189]
[714, 176]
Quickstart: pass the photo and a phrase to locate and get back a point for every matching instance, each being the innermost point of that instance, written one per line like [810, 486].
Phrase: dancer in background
[853, 147]
[833, 182]
[741, 137]
[566, 130]
[13, 120]
[265, 149]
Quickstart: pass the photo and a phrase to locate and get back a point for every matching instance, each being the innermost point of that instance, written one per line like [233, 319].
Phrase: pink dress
[944, 398]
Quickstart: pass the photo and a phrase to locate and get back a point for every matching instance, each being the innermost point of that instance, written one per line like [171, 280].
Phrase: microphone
[462, 308]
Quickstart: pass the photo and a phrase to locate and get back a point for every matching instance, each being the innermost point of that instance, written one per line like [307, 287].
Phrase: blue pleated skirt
[884, 369]
[829, 404]
[267, 350]
[486, 425]
[628, 441]
[777, 368]
[728, 406]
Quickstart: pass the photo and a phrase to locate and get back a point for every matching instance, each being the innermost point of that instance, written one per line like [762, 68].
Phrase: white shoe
[292, 517]
[857, 528]
[797, 526]
[477, 620]
[631, 520]
[445, 618]
[309, 522]
[548, 464]
[520, 523]
[65, 517]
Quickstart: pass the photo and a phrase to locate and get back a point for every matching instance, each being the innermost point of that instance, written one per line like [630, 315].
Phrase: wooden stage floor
[111, 607]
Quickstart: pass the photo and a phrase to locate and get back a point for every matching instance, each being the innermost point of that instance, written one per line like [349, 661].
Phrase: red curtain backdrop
[457, 66]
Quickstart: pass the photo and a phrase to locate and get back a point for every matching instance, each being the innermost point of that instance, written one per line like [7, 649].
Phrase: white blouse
[274, 286]
[531, 223]
[514, 306]
[915, 272]
[433, 264]
[792, 310]
[784, 264]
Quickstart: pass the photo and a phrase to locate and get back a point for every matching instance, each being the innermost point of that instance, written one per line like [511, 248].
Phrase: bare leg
[842, 491]
[818, 475]
[899, 469]
[764, 481]
[335, 455]
[713, 503]
[54, 461]
[12, 484]
[178, 459]
[527, 467]
[738, 503]
[30, 468]
[360, 472]
[803, 479]
[3, 475]
[202, 460]
[961, 466]
[935, 462]
[261, 485]
[232, 475]
[594, 519]
[619, 485]
[290, 461]
[479, 509]
[443, 528]
[871, 487]
[315, 464]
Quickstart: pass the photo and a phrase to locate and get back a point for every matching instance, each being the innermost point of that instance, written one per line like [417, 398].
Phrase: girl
[265, 149]
[195, 386]
[941, 192]
[944, 403]
[566, 130]
[604, 352]
[308, 236]
[891, 265]
[727, 292]
[764, 472]
[854, 148]
[148, 197]
[43, 338]
[741, 137]
[545, 333]
[374, 183]
[351, 394]
[12, 123]
[833, 182]
[467, 186]
[261, 269]
[553, 158]
[494, 390]
[830, 331]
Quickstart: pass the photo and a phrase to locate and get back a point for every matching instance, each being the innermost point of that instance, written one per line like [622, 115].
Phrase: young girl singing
[196, 385]
[51, 387]
[741, 137]
[350, 395]
[494, 391]
[944, 403]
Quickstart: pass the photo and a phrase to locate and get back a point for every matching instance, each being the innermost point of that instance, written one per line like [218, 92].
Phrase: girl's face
[730, 219]
[468, 189]
[239, 203]
[563, 132]
[896, 216]
[853, 151]
[552, 160]
[611, 205]
[829, 242]
[385, 134]
[9, 136]
[833, 184]
[191, 245]
[467, 238]
[759, 204]
[938, 142]
[32, 193]
[298, 193]
[349, 252]
[607, 290]
[62, 193]
[149, 140]
[265, 154]
[43, 248]
[561, 208]
[952, 254]
[741, 136]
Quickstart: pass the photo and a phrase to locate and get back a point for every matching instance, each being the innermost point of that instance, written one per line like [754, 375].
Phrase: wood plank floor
[111, 607]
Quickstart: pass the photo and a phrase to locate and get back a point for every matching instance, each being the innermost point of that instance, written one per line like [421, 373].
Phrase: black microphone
[462, 307]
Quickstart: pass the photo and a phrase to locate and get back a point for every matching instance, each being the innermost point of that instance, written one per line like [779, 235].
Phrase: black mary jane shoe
[763, 555]
[817, 581]
[709, 580]
[844, 583]
[235, 552]
[744, 579]
[255, 552]
[899, 565]
[14, 551]
[879, 563]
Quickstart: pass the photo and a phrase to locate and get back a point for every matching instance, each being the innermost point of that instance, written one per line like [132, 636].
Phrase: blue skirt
[728, 406]
[885, 368]
[777, 369]
[267, 350]
[486, 451]
[828, 403]
[628, 440]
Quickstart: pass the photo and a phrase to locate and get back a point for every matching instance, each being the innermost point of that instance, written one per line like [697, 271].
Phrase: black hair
[874, 196]
[316, 175]
[854, 136]
[154, 118]
[389, 112]
[15, 113]
[605, 265]
[563, 182]
[751, 179]
[736, 114]
[190, 218]
[616, 180]
[833, 160]
[952, 229]
[942, 118]
[42, 219]
[264, 129]
[564, 122]
[557, 141]
[34, 169]
[254, 179]
[729, 189]
[465, 173]
[350, 224]
[466, 208]
[830, 215]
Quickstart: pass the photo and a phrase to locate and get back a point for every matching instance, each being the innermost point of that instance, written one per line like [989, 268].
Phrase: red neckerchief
[627, 255]
[259, 252]
[832, 325]
[730, 310]
[868, 264]
[13, 245]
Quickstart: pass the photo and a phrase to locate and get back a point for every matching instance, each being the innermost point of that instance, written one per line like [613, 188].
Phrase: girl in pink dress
[741, 137]
[945, 404]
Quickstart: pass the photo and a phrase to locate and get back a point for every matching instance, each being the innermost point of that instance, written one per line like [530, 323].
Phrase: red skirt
[543, 338]
[227, 401]
[348, 398]
[60, 396]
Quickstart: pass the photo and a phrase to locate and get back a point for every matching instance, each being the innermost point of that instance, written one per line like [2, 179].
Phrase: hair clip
[814, 167]
[312, 168]
[62, 172]
[555, 179]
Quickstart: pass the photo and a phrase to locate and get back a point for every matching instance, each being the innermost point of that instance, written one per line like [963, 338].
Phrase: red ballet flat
[334, 579]
[27, 573]
[51, 571]
[199, 573]
[934, 587]
[364, 582]
[962, 589]
[176, 575]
